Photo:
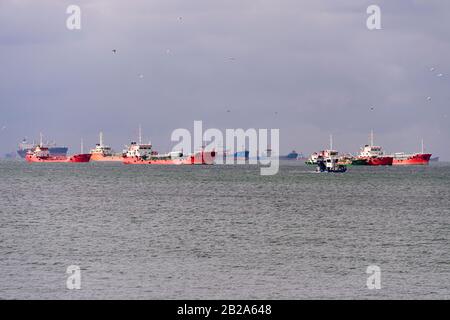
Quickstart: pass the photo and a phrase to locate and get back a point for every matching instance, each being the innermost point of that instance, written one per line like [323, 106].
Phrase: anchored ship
[141, 153]
[293, 155]
[42, 154]
[372, 155]
[104, 153]
[54, 150]
[421, 158]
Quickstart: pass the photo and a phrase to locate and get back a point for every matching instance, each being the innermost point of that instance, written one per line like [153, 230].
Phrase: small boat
[330, 164]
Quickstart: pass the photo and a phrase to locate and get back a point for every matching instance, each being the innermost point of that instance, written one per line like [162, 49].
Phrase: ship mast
[140, 134]
[82, 146]
[422, 146]
[331, 142]
[371, 138]
[40, 139]
[101, 139]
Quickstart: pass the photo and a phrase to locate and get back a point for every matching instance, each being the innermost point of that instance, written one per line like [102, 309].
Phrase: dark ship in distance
[53, 149]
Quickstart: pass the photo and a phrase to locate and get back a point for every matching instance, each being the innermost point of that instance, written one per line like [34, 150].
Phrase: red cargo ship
[411, 159]
[374, 155]
[143, 154]
[42, 154]
[421, 158]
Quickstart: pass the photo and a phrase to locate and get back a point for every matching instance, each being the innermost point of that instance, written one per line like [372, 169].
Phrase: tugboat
[330, 164]
[373, 155]
[316, 157]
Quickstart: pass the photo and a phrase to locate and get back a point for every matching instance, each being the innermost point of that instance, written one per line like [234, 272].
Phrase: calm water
[146, 232]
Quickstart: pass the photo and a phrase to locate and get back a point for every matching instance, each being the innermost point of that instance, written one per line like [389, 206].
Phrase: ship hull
[359, 162]
[102, 158]
[76, 158]
[416, 159]
[202, 158]
[378, 161]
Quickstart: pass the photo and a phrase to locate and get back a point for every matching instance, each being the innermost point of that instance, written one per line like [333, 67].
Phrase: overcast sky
[309, 68]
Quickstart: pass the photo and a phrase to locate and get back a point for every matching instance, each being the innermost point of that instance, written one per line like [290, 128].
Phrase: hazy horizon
[309, 68]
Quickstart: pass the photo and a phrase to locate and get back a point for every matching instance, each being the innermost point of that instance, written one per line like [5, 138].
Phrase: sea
[223, 232]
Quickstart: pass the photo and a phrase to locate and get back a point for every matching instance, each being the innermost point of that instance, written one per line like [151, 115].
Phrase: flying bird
[440, 75]
[429, 98]
[371, 108]
[432, 69]
[114, 50]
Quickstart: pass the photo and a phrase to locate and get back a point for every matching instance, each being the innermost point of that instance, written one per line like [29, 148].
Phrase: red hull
[73, 158]
[199, 158]
[415, 159]
[379, 161]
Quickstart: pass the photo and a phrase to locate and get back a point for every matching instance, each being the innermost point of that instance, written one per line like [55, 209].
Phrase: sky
[309, 68]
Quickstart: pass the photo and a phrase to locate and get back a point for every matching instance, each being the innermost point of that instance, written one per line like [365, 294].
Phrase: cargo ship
[54, 150]
[139, 153]
[420, 158]
[104, 153]
[293, 155]
[372, 155]
[42, 154]
[411, 159]
[242, 155]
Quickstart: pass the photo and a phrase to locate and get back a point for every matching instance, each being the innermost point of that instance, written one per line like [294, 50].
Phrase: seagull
[432, 69]
[371, 108]
[114, 50]
[429, 98]
[440, 75]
